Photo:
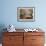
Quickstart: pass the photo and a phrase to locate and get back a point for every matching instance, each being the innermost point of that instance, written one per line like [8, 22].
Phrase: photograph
[22, 23]
[26, 14]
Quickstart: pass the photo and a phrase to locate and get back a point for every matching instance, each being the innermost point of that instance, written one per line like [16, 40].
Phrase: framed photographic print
[26, 14]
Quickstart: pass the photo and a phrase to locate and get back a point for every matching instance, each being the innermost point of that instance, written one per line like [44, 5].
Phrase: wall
[9, 13]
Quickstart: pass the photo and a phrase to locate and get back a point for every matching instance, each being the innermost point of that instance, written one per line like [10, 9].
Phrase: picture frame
[26, 14]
